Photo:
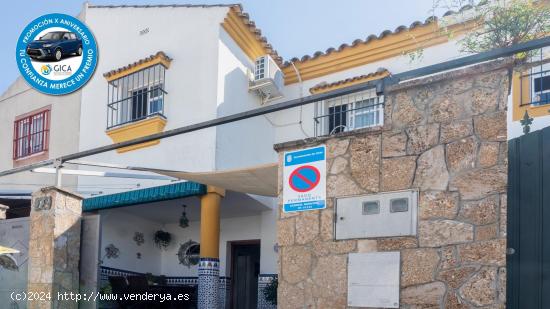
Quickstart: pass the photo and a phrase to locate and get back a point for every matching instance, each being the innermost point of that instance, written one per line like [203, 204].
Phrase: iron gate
[528, 229]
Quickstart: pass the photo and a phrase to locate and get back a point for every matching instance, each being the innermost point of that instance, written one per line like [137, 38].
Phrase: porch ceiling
[259, 180]
[234, 204]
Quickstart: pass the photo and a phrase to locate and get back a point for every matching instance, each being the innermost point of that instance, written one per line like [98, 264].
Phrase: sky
[294, 27]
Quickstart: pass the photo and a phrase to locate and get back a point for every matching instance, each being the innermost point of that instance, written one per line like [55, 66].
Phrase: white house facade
[164, 67]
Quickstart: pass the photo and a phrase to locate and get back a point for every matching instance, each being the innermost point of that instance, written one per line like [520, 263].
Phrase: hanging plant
[162, 239]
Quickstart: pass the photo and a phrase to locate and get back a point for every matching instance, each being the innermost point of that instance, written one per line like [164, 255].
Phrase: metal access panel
[373, 279]
[379, 215]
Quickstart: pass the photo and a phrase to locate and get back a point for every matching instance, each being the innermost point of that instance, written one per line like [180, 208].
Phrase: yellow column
[210, 222]
[209, 264]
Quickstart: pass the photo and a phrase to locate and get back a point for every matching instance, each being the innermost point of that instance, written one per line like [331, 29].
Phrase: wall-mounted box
[385, 214]
[373, 279]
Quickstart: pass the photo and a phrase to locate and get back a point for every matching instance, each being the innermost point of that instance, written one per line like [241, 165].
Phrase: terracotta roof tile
[372, 37]
[159, 54]
[257, 33]
[269, 48]
[381, 72]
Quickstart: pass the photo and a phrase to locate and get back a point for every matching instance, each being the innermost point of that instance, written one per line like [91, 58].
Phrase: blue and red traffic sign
[305, 179]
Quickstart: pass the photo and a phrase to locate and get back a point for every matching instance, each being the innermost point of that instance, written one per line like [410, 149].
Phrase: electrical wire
[301, 95]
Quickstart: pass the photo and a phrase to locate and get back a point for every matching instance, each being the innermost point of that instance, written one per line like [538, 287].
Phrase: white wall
[231, 229]
[118, 228]
[248, 142]
[268, 258]
[19, 99]
[190, 37]
[287, 122]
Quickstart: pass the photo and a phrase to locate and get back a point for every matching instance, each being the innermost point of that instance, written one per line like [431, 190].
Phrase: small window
[72, 36]
[31, 134]
[541, 88]
[66, 36]
[349, 112]
[260, 68]
[399, 205]
[337, 121]
[371, 208]
[156, 98]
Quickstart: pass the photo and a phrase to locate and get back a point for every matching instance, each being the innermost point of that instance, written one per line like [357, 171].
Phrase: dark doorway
[245, 268]
[528, 260]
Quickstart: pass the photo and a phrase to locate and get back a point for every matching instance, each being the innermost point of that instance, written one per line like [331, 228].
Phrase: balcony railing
[349, 112]
[135, 97]
[535, 88]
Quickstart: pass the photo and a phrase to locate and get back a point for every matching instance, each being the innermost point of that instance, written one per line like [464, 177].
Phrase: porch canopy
[259, 180]
[142, 196]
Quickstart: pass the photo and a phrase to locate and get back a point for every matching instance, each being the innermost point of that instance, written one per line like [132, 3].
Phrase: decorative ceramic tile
[224, 283]
[263, 281]
[209, 282]
[225, 292]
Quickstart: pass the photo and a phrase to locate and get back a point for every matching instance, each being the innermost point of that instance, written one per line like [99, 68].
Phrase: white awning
[259, 180]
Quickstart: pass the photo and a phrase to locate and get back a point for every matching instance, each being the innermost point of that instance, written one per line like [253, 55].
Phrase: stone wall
[54, 248]
[446, 136]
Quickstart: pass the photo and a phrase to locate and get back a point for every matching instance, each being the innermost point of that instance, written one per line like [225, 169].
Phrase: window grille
[535, 83]
[349, 112]
[136, 96]
[31, 135]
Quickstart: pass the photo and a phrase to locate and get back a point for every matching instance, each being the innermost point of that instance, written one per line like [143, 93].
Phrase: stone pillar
[3, 210]
[54, 247]
[209, 265]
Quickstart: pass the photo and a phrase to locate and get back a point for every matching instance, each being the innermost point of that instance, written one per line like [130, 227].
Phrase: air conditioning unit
[267, 80]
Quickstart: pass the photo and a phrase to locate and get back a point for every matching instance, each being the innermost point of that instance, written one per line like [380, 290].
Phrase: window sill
[135, 130]
[33, 158]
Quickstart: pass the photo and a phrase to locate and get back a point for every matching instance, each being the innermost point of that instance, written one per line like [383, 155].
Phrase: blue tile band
[209, 283]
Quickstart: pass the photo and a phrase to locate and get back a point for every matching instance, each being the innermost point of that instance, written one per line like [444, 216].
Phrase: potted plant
[162, 239]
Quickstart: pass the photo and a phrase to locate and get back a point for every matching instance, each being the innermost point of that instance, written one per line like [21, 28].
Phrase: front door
[245, 268]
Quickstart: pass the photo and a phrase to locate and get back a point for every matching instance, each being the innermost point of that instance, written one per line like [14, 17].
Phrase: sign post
[304, 173]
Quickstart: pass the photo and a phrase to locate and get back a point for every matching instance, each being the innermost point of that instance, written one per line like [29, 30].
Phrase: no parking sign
[304, 173]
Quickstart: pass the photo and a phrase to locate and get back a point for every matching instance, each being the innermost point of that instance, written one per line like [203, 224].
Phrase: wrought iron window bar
[538, 88]
[136, 96]
[31, 135]
[349, 112]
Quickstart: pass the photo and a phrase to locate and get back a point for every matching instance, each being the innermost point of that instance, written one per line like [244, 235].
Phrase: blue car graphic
[55, 45]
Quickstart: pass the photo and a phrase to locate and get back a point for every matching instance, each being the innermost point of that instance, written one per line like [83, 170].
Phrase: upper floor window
[31, 134]
[540, 87]
[535, 81]
[136, 96]
[349, 112]
[136, 91]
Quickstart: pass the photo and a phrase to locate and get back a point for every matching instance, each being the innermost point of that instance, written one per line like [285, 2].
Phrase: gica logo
[56, 54]
[46, 69]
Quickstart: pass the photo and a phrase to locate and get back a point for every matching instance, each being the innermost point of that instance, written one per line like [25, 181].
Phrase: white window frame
[536, 73]
[352, 111]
